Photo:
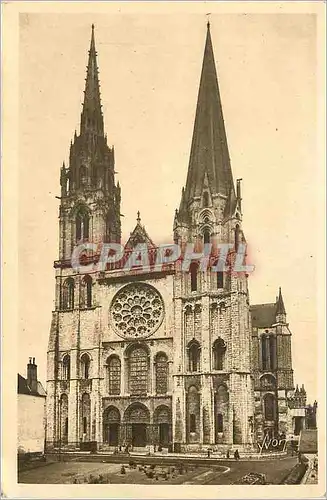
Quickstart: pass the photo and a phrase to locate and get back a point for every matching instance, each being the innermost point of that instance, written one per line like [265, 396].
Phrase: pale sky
[149, 68]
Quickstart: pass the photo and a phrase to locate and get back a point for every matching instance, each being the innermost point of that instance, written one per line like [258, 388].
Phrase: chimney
[32, 375]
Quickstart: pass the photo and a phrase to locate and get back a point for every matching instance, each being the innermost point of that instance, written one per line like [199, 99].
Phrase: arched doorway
[111, 426]
[162, 421]
[137, 418]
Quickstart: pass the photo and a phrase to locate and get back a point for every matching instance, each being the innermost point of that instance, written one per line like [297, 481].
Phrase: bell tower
[90, 199]
[89, 212]
[214, 393]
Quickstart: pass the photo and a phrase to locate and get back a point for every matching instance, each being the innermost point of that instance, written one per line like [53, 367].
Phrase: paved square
[223, 473]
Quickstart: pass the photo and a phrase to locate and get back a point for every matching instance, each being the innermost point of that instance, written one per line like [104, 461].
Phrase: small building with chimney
[31, 411]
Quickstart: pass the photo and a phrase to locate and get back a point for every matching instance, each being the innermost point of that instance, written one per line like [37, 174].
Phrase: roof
[263, 315]
[139, 235]
[23, 388]
[308, 442]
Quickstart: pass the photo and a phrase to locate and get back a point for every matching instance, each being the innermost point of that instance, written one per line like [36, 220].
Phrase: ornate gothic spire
[209, 151]
[92, 118]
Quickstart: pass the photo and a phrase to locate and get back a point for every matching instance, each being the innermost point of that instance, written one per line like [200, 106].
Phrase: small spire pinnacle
[92, 119]
[138, 219]
[208, 20]
[280, 303]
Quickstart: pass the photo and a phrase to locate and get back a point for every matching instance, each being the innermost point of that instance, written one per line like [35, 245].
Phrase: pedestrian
[227, 454]
[209, 452]
[236, 455]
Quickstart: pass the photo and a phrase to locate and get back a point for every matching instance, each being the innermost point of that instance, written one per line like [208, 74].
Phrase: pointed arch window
[114, 375]
[194, 276]
[66, 367]
[161, 373]
[264, 353]
[219, 349]
[220, 422]
[83, 175]
[206, 199]
[206, 235]
[220, 279]
[68, 294]
[270, 407]
[194, 352]
[86, 292]
[269, 352]
[273, 352]
[94, 176]
[192, 422]
[85, 366]
[138, 370]
[82, 224]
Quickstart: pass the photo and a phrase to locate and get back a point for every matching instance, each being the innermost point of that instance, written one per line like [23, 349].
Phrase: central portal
[137, 419]
[164, 434]
[139, 435]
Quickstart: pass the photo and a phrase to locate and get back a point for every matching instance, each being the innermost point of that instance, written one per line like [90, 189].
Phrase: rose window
[137, 310]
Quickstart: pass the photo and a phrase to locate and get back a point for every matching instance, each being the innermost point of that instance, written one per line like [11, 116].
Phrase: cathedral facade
[164, 357]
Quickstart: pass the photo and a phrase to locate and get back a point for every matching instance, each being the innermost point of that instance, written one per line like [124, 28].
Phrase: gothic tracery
[137, 310]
